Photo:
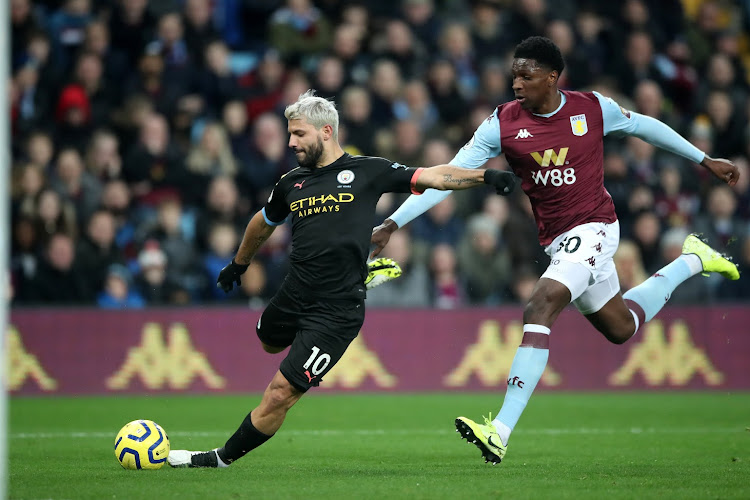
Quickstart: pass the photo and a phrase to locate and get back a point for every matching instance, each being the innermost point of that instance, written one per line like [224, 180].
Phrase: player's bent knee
[617, 334]
[545, 303]
[272, 349]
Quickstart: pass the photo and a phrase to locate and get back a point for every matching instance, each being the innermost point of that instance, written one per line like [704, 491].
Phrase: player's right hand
[231, 275]
[504, 182]
[380, 236]
[722, 169]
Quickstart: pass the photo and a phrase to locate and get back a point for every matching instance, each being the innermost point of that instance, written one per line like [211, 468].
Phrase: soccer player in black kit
[330, 200]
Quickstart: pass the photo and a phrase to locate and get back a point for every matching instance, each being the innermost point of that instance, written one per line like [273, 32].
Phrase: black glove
[502, 181]
[230, 275]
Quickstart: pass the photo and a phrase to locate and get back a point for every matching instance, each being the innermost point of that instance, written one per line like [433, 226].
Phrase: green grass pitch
[577, 446]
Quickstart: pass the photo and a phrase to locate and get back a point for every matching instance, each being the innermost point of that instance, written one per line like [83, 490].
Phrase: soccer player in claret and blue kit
[330, 202]
[553, 141]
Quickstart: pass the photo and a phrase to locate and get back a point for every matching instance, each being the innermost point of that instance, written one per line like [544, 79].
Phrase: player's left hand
[502, 181]
[230, 275]
[723, 169]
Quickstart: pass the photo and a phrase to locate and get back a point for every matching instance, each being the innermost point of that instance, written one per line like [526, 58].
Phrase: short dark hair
[542, 50]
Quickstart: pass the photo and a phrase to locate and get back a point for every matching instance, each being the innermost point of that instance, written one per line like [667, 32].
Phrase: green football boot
[382, 271]
[485, 437]
[713, 261]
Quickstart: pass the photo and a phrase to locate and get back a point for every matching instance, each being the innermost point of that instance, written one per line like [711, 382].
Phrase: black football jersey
[331, 210]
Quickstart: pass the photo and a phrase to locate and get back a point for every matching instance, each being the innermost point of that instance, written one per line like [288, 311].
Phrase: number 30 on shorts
[570, 244]
[317, 362]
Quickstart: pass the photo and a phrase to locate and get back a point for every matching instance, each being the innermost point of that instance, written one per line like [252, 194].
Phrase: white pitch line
[394, 432]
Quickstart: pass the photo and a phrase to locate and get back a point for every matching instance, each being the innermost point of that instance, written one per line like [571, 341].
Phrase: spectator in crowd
[103, 158]
[222, 244]
[416, 105]
[356, 109]
[153, 167]
[212, 155]
[153, 282]
[75, 183]
[629, 265]
[524, 281]
[673, 204]
[347, 47]
[54, 215]
[719, 224]
[254, 289]
[447, 290]
[424, 22]
[235, 121]
[217, 84]
[73, 117]
[24, 255]
[198, 28]
[89, 75]
[266, 85]
[646, 233]
[67, 27]
[222, 206]
[441, 225]
[57, 279]
[299, 29]
[173, 231]
[117, 292]
[97, 251]
[40, 150]
[330, 77]
[29, 182]
[483, 262]
[98, 43]
[444, 92]
[269, 159]
[385, 86]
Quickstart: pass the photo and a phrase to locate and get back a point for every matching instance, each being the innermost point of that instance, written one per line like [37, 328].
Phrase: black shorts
[319, 332]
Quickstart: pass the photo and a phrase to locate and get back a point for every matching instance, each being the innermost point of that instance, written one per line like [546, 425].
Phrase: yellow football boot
[382, 271]
[713, 261]
[484, 436]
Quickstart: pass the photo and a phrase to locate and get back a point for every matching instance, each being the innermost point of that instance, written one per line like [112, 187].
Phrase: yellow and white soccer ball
[142, 444]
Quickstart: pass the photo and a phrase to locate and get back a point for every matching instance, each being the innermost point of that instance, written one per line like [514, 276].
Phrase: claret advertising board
[61, 352]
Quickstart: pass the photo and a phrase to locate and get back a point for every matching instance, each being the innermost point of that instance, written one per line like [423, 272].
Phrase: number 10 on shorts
[316, 361]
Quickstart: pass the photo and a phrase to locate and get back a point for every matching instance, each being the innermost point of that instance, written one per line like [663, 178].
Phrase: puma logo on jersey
[299, 184]
[523, 134]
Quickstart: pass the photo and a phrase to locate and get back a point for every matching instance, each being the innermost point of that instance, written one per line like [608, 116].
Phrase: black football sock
[245, 439]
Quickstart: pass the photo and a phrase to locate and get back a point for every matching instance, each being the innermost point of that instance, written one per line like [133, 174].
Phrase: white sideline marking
[383, 432]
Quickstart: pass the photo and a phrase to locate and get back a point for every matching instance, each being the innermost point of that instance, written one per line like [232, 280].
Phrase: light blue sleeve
[620, 121]
[483, 145]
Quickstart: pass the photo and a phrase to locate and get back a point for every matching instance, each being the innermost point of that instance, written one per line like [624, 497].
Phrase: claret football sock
[244, 440]
[653, 294]
[527, 368]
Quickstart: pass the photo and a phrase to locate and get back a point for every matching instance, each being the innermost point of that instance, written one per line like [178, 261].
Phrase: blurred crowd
[146, 134]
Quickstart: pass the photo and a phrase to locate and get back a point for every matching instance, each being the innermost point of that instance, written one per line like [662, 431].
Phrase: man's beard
[312, 155]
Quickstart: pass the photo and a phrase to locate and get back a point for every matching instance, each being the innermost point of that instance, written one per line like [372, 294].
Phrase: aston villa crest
[578, 124]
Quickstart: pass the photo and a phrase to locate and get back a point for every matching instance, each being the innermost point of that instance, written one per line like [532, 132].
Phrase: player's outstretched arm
[256, 233]
[448, 177]
[445, 178]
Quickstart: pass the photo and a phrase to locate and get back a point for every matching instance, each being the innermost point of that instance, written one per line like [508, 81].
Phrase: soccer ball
[142, 444]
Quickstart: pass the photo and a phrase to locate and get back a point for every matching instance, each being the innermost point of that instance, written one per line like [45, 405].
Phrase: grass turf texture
[628, 445]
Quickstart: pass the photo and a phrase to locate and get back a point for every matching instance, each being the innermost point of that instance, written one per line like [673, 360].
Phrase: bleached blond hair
[315, 110]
